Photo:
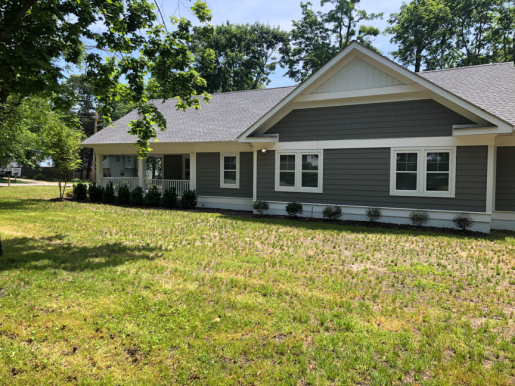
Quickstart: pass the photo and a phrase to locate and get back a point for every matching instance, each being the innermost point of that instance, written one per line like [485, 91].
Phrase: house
[361, 132]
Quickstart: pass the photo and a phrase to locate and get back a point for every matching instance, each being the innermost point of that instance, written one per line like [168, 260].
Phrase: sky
[281, 13]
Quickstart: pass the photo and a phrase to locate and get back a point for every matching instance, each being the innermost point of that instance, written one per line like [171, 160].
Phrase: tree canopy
[120, 43]
[318, 36]
[244, 56]
[436, 34]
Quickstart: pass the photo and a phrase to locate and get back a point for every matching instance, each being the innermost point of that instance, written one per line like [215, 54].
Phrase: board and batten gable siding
[361, 177]
[505, 175]
[172, 167]
[420, 118]
[208, 176]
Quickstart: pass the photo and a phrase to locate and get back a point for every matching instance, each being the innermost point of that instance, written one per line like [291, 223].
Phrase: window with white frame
[230, 170]
[299, 171]
[427, 172]
[187, 169]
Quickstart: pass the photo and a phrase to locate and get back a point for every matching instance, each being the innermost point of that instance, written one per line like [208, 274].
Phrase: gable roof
[226, 117]
[490, 87]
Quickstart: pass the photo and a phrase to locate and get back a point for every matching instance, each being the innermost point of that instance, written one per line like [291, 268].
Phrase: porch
[132, 182]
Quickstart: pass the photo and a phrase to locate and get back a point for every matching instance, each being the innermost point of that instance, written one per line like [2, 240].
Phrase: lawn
[100, 295]
[13, 181]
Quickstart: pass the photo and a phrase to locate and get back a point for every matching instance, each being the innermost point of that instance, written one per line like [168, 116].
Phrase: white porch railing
[131, 182]
[180, 185]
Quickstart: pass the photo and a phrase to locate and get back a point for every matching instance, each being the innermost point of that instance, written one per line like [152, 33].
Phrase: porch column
[193, 171]
[99, 168]
[254, 176]
[490, 180]
[142, 172]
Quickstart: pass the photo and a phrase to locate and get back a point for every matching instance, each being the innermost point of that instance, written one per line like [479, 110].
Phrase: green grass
[100, 295]
[13, 181]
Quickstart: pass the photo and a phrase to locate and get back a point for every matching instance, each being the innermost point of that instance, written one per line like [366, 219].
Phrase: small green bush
[124, 195]
[332, 212]
[463, 221]
[153, 196]
[137, 196]
[260, 206]
[108, 193]
[294, 208]
[170, 198]
[80, 191]
[95, 192]
[189, 199]
[419, 218]
[39, 177]
[374, 214]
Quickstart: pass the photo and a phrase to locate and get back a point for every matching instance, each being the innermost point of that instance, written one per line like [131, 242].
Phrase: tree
[318, 36]
[438, 34]
[63, 144]
[244, 56]
[115, 40]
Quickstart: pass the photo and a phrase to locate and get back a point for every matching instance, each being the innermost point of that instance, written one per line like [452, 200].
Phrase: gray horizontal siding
[361, 177]
[423, 118]
[505, 184]
[172, 167]
[208, 176]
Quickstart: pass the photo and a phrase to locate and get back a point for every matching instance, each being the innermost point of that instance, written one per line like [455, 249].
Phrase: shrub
[137, 196]
[153, 196]
[124, 195]
[189, 199]
[95, 192]
[332, 212]
[294, 208]
[374, 214]
[170, 198]
[419, 218]
[463, 221]
[260, 206]
[39, 177]
[108, 193]
[80, 191]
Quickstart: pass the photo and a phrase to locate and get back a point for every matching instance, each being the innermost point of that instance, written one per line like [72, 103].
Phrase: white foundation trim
[225, 203]
[438, 218]
[503, 221]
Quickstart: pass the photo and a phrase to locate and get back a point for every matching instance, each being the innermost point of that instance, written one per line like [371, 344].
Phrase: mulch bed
[250, 214]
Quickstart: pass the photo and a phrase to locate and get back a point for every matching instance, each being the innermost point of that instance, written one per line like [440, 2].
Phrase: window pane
[438, 162]
[310, 162]
[287, 179]
[406, 181]
[309, 180]
[437, 182]
[186, 163]
[230, 178]
[187, 174]
[230, 163]
[287, 162]
[407, 162]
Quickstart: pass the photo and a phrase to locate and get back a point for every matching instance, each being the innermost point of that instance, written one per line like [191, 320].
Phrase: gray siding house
[361, 132]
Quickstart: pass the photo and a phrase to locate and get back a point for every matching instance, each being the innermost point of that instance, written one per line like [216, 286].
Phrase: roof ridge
[465, 67]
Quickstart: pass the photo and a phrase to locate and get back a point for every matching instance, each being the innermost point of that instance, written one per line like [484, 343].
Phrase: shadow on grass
[49, 253]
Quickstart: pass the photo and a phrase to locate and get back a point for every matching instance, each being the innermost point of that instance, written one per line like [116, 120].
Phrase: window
[299, 171]
[428, 172]
[117, 158]
[187, 168]
[229, 170]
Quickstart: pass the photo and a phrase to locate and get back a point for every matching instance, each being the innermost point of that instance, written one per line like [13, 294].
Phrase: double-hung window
[230, 170]
[427, 172]
[299, 171]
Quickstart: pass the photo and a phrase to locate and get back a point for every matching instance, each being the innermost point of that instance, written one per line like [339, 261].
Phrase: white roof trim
[354, 49]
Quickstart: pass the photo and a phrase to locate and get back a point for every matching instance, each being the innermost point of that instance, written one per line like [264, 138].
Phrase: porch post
[193, 171]
[142, 172]
[99, 167]
[254, 176]
[490, 179]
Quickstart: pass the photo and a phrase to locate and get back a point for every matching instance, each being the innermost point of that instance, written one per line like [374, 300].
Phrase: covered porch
[165, 171]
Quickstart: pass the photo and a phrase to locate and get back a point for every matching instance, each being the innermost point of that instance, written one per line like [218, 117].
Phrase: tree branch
[16, 19]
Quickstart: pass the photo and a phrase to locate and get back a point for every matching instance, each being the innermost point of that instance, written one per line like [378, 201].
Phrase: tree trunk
[90, 164]
[418, 59]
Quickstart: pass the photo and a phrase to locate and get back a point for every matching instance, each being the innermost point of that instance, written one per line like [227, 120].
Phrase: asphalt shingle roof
[224, 119]
[490, 87]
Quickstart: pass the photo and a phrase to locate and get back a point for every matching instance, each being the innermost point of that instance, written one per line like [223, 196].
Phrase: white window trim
[222, 184]
[298, 171]
[422, 171]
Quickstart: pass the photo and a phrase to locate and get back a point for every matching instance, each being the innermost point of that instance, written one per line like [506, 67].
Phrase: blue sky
[281, 12]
